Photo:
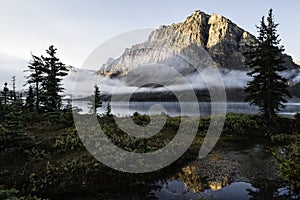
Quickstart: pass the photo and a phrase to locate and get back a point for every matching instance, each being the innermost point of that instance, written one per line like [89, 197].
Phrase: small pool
[177, 190]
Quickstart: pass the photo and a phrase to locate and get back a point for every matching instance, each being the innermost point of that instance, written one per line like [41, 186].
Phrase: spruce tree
[35, 68]
[54, 72]
[108, 109]
[14, 118]
[1, 99]
[268, 88]
[30, 99]
[13, 92]
[98, 102]
[95, 100]
[5, 94]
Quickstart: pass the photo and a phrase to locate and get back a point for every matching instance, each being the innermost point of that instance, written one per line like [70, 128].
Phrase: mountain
[202, 39]
[202, 42]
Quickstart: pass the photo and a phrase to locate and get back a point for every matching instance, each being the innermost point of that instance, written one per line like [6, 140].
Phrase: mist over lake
[173, 108]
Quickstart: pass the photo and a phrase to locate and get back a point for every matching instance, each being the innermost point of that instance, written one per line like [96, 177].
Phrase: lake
[173, 108]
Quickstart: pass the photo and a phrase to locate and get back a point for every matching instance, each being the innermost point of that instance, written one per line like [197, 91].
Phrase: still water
[174, 108]
[242, 173]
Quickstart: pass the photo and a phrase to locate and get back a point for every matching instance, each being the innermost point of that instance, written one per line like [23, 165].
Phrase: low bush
[289, 165]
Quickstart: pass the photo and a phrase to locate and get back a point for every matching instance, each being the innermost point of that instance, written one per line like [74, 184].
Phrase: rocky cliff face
[203, 39]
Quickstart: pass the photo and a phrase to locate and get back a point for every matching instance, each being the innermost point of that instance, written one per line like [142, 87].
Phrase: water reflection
[184, 185]
[217, 185]
[187, 184]
[192, 181]
[225, 176]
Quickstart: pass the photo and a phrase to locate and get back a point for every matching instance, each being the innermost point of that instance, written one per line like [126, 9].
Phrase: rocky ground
[247, 165]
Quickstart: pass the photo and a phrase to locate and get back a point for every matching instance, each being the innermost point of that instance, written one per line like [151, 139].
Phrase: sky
[77, 27]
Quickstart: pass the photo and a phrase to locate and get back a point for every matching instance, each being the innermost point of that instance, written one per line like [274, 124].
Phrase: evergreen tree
[12, 117]
[108, 109]
[5, 94]
[95, 100]
[98, 102]
[13, 92]
[268, 89]
[1, 101]
[15, 116]
[35, 68]
[54, 72]
[13, 122]
[30, 99]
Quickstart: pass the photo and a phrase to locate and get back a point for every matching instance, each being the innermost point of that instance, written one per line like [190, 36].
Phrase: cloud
[162, 79]
[293, 75]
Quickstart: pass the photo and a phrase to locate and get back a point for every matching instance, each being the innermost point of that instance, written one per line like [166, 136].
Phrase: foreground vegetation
[44, 156]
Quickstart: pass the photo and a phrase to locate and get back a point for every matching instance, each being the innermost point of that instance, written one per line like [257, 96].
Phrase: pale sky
[77, 27]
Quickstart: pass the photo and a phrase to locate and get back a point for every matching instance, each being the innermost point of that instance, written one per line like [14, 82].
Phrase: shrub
[13, 194]
[70, 141]
[297, 118]
[284, 139]
[35, 154]
[141, 120]
[289, 165]
[68, 176]
[239, 124]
